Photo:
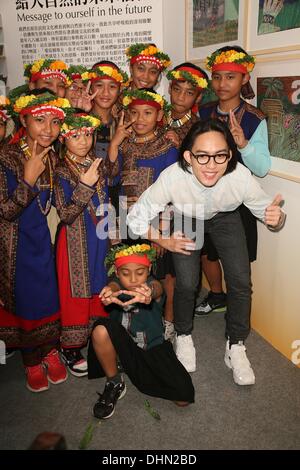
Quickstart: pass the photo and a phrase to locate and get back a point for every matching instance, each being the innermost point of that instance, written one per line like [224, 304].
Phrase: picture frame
[280, 40]
[280, 120]
[197, 54]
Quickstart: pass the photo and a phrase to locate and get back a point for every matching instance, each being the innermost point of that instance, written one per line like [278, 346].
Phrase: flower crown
[129, 252]
[45, 103]
[144, 97]
[241, 61]
[74, 122]
[46, 67]
[193, 79]
[102, 71]
[148, 53]
[4, 104]
[76, 72]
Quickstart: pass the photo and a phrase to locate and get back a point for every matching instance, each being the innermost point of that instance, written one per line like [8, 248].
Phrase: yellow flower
[23, 102]
[85, 76]
[37, 65]
[126, 101]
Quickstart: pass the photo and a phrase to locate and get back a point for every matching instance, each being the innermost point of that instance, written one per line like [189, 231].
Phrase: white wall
[276, 273]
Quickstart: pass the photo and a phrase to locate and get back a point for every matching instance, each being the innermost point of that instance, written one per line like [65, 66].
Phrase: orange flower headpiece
[4, 102]
[105, 71]
[44, 103]
[148, 53]
[141, 254]
[47, 68]
[232, 61]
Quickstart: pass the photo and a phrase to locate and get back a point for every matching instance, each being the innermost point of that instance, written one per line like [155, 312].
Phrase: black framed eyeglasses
[203, 159]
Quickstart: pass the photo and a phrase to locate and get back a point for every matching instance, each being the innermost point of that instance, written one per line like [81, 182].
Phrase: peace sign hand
[123, 130]
[35, 166]
[236, 131]
[91, 176]
[85, 101]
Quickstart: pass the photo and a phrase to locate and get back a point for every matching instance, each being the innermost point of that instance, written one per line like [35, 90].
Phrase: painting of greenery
[214, 21]
[278, 15]
[279, 99]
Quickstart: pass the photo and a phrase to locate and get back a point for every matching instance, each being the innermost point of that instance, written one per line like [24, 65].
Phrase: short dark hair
[201, 127]
[192, 66]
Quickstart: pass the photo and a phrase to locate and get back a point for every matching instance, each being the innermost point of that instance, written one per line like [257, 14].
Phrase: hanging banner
[75, 31]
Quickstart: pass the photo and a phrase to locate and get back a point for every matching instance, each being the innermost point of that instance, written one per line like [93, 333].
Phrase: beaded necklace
[79, 167]
[142, 139]
[178, 122]
[27, 153]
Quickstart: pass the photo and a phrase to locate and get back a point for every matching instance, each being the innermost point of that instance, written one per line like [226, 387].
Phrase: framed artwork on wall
[277, 89]
[273, 22]
[211, 24]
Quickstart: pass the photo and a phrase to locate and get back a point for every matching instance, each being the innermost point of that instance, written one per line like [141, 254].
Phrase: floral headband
[188, 74]
[148, 53]
[79, 123]
[75, 72]
[46, 68]
[139, 97]
[123, 254]
[106, 72]
[4, 102]
[232, 61]
[45, 103]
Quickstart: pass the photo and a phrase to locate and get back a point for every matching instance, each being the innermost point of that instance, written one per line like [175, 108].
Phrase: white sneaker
[185, 352]
[236, 359]
[169, 334]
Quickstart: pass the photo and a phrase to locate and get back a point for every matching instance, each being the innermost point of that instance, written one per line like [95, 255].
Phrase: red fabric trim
[147, 58]
[8, 320]
[75, 76]
[104, 77]
[3, 116]
[138, 101]
[138, 259]
[55, 73]
[18, 136]
[229, 67]
[190, 70]
[73, 310]
[42, 109]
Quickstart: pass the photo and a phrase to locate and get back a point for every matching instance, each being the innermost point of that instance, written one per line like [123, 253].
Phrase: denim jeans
[227, 233]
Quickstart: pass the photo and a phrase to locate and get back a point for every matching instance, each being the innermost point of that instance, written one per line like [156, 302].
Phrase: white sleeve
[149, 205]
[255, 198]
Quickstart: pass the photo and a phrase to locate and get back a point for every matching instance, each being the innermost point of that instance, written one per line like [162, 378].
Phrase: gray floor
[224, 416]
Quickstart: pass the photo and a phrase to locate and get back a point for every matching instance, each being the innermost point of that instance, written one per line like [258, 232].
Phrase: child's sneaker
[169, 334]
[37, 380]
[75, 362]
[56, 371]
[212, 303]
[105, 406]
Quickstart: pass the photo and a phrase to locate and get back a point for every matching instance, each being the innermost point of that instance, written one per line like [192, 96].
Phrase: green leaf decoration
[151, 411]
[87, 437]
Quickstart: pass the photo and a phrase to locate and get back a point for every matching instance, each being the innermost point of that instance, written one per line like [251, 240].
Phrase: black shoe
[75, 362]
[212, 303]
[105, 406]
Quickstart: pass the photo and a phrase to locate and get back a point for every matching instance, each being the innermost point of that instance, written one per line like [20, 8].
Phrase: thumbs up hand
[274, 216]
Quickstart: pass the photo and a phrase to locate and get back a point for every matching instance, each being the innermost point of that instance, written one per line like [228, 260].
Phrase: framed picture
[274, 26]
[277, 89]
[211, 24]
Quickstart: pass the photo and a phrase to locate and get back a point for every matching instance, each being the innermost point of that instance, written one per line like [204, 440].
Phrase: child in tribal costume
[80, 193]
[187, 82]
[29, 319]
[134, 333]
